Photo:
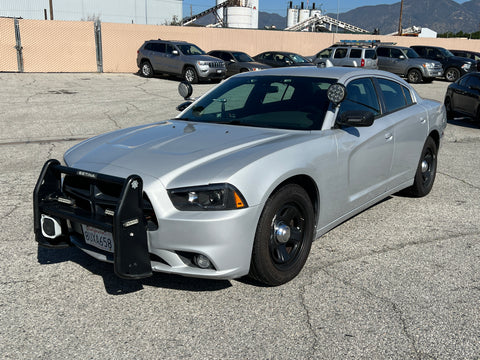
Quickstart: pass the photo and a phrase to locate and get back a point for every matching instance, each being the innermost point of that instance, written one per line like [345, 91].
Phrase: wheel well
[436, 137]
[186, 66]
[307, 183]
[144, 60]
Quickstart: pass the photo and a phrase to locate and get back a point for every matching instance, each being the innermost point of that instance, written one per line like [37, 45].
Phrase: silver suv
[347, 56]
[178, 58]
[404, 61]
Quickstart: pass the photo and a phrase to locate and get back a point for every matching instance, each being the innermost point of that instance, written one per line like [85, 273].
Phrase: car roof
[328, 72]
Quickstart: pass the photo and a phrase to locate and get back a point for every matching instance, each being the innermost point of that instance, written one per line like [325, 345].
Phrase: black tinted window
[361, 95]
[383, 52]
[393, 95]
[356, 53]
[340, 53]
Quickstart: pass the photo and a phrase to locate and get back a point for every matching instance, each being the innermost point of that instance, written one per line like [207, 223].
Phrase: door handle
[423, 120]
[388, 136]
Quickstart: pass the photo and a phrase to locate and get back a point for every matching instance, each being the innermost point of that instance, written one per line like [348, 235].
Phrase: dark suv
[178, 58]
[453, 66]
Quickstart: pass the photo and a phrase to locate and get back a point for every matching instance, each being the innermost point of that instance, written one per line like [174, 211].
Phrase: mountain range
[439, 15]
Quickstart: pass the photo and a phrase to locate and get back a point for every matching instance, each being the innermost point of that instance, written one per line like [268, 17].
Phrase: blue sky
[280, 6]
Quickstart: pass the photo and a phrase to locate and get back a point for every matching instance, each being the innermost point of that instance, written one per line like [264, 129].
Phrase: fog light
[51, 227]
[202, 261]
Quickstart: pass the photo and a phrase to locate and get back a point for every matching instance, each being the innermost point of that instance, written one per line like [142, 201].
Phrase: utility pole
[51, 9]
[400, 30]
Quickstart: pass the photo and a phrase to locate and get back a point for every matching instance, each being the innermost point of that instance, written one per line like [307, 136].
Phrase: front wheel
[452, 74]
[190, 75]
[426, 170]
[146, 69]
[284, 236]
[414, 76]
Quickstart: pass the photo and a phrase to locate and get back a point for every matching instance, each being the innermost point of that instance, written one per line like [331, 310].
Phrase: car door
[365, 153]
[467, 95]
[340, 57]
[384, 61]
[409, 129]
[157, 57]
[398, 61]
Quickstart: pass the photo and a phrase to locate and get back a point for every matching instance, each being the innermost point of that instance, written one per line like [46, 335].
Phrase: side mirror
[175, 52]
[184, 105]
[356, 118]
[401, 57]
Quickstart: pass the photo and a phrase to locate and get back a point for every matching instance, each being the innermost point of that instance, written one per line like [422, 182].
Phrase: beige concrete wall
[8, 53]
[61, 46]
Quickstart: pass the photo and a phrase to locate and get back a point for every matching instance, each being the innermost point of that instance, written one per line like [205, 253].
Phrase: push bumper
[55, 212]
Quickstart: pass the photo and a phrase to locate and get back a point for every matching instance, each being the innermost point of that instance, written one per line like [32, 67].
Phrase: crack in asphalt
[396, 310]
[310, 326]
[15, 207]
[112, 119]
[461, 180]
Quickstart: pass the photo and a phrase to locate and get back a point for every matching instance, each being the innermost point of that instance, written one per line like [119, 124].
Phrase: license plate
[100, 239]
[219, 71]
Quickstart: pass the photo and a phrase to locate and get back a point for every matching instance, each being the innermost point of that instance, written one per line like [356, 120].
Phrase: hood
[168, 149]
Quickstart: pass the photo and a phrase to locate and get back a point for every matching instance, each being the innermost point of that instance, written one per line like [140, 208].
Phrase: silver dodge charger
[245, 177]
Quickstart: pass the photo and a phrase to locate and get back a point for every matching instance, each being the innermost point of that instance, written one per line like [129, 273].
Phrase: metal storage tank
[292, 16]
[239, 17]
[304, 14]
[254, 6]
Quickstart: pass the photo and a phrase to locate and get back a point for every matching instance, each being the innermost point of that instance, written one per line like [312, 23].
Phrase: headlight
[209, 197]
[429, 65]
[202, 63]
[466, 66]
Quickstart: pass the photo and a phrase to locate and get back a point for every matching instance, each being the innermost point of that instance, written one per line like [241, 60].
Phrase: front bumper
[171, 246]
[211, 73]
[126, 223]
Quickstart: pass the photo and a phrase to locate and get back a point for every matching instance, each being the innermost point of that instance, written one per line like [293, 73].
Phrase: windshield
[411, 53]
[242, 57]
[297, 58]
[282, 102]
[190, 49]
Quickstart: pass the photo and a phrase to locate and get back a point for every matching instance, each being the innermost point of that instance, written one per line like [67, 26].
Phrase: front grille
[100, 198]
[216, 64]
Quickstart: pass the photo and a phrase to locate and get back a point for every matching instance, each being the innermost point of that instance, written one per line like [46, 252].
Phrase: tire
[146, 69]
[283, 237]
[190, 75]
[414, 76]
[448, 108]
[452, 74]
[426, 170]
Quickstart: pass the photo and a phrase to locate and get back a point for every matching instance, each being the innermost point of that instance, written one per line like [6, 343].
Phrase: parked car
[463, 97]
[282, 59]
[245, 178]
[178, 58]
[405, 62]
[237, 61]
[347, 56]
[453, 66]
[468, 54]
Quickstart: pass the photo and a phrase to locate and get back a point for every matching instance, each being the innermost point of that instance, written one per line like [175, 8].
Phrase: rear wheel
[414, 76]
[452, 74]
[190, 75]
[284, 236]
[146, 69]
[426, 170]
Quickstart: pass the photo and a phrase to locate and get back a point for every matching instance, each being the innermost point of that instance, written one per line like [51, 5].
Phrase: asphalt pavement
[401, 280]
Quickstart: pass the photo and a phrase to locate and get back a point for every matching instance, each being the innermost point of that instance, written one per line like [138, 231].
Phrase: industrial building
[154, 12]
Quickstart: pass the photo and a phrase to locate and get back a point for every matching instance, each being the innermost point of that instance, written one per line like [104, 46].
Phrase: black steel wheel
[426, 170]
[452, 74]
[284, 236]
[190, 75]
[146, 69]
[414, 76]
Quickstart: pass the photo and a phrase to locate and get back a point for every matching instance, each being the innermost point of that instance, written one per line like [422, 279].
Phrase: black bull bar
[126, 222]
